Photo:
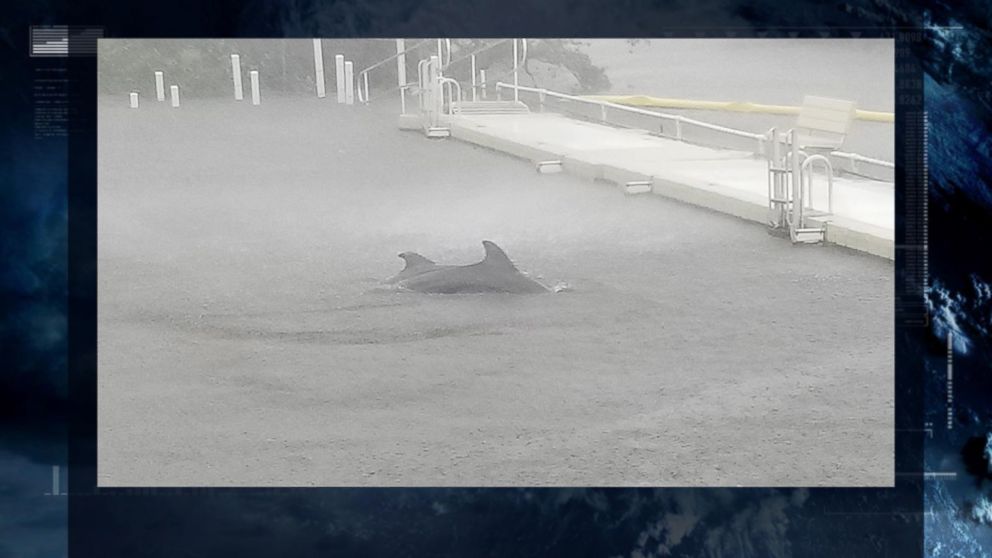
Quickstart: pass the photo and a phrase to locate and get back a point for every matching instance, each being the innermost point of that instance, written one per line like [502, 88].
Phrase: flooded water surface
[245, 337]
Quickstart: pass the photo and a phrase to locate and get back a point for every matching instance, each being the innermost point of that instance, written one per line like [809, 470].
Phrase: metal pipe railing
[862, 159]
[450, 85]
[807, 173]
[679, 120]
[798, 221]
[477, 51]
[363, 76]
[471, 56]
[394, 56]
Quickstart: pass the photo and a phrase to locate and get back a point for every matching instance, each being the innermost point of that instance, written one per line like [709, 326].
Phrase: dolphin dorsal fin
[495, 256]
[414, 260]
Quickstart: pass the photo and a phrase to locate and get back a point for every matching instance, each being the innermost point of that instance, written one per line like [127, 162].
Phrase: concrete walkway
[733, 182]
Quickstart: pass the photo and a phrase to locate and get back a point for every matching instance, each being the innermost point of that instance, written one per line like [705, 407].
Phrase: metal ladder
[431, 88]
[790, 185]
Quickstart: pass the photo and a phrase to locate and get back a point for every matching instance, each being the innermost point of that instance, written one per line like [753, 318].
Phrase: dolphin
[494, 274]
[415, 264]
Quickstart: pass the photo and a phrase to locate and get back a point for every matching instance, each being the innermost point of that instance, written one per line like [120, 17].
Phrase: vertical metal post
[830, 190]
[473, 79]
[318, 66]
[239, 93]
[401, 72]
[159, 86]
[349, 83]
[339, 76]
[778, 191]
[174, 93]
[255, 96]
[797, 183]
[365, 86]
[56, 479]
[434, 71]
[133, 100]
[485, 88]
[516, 82]
[421, 83]
[439, 53]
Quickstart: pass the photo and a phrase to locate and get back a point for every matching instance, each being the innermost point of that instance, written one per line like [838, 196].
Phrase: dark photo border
[60, 401]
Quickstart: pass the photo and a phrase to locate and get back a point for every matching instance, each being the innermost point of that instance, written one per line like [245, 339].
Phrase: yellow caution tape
[735, 106]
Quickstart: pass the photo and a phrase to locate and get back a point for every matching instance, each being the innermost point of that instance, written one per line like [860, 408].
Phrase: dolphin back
[494, 274]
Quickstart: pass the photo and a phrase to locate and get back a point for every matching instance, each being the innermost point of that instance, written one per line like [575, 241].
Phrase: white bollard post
[318, 66]
[134, 100]
[159, 86]
[239, 93]
[339, 75]
[254, 87]
[349, 83]
[482, 84]
[516, 83]
[174, 94]
[401, 72]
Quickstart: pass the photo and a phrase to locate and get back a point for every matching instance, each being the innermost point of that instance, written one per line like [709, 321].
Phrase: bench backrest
[824, 122]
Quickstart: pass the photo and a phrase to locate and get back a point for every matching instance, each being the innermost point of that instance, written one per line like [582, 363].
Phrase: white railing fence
[673, 126]
[686, 129]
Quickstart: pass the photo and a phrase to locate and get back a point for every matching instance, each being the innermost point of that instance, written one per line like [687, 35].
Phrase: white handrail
[807, 175]
[679, 120]
[363, 76]
[452, 103]
[394, 56]
[471, 56]
[862, 159]
[494, 44]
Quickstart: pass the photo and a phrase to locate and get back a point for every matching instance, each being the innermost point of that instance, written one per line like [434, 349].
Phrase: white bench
[823, 123]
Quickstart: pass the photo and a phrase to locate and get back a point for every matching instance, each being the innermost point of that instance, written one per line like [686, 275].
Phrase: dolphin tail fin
[414, 260]
[495, 256]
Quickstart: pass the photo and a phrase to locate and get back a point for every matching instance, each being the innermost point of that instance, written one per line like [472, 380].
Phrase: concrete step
[809, 236]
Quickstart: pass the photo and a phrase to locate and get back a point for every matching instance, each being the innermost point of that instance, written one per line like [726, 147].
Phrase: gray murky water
[244, 338]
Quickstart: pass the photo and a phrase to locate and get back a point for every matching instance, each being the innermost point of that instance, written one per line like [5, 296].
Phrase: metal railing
[471, 56]
[480, 50]
[679, 121]
[363, 76]
[790, 187]
[444, 52]
[806, 172]
[453, 90]
[431, 94]
[867, 167]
